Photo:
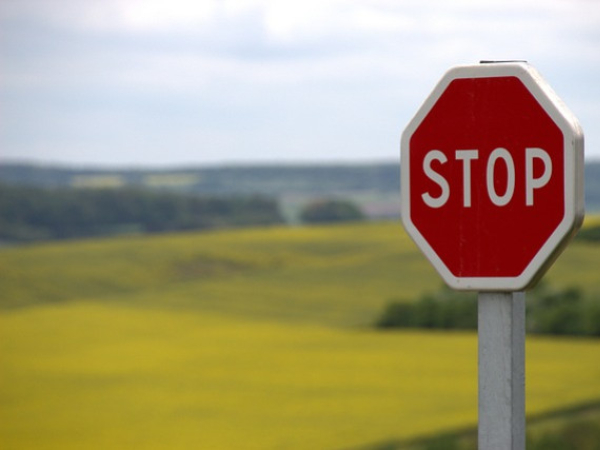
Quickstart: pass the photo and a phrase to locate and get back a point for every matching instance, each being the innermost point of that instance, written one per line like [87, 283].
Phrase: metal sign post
[501, 322]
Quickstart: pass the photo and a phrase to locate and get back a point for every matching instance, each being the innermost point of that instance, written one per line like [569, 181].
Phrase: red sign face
[488, 176]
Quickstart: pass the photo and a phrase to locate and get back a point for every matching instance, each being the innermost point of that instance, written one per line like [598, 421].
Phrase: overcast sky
[172, 82]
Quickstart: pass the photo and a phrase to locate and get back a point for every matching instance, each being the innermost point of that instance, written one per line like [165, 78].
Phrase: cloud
[103, 80]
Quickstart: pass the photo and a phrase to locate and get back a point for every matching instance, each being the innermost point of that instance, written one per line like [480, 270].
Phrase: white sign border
[573, 176]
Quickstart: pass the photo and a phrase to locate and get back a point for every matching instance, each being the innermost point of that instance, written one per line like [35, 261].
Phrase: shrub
[589, 234]
[549, 311]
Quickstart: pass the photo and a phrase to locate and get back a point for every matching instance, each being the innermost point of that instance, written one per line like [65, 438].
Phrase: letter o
[500, 153]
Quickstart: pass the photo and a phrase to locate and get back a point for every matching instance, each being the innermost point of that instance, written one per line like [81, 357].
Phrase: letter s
[435, 202]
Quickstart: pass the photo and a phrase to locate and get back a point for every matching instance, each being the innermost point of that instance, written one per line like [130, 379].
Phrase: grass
[247, 339]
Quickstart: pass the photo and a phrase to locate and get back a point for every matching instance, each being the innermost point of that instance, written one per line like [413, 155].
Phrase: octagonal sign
[492, 177]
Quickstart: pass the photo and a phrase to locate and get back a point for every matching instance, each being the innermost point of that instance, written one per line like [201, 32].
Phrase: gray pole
[501, 370]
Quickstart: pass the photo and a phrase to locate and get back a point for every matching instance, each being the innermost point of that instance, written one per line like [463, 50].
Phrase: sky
[202, 82]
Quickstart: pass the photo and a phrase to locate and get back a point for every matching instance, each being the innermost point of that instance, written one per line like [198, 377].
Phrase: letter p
[532, 183]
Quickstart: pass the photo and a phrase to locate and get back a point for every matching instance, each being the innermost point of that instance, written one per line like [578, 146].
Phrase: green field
[248, 339]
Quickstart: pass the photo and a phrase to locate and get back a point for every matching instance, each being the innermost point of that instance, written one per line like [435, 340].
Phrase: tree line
[32, 214]
[549, 311]
[269, 180]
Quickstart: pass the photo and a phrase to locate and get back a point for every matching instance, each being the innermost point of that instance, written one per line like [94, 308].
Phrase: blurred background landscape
[261, 307]
[200, 244]
[45, 202]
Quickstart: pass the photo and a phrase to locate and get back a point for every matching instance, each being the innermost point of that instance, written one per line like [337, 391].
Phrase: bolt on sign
[492, 177]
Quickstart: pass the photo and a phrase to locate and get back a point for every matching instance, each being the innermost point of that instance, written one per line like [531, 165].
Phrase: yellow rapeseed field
[335, 275]
[91, 375]
[247, 339]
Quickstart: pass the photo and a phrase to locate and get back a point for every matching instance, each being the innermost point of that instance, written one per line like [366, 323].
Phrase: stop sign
[492, 177]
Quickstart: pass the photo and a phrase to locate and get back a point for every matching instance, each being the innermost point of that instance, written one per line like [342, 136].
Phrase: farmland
[256, 338]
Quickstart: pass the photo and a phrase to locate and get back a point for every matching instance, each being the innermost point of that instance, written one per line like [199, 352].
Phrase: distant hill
[216, 180]
[374, 187]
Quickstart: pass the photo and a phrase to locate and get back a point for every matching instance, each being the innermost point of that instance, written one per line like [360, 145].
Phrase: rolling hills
[254, 338]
